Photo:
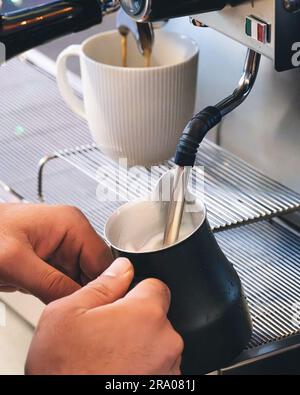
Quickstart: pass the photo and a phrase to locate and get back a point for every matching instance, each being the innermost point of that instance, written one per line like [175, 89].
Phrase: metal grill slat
[263, 255]
[228, 196]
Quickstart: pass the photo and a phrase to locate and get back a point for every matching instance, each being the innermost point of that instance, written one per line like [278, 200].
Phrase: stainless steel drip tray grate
[265, 254]
[267, 258]
[235, 192]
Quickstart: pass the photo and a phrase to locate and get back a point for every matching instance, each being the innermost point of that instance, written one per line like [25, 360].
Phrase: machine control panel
[258, 29]
[270, 27]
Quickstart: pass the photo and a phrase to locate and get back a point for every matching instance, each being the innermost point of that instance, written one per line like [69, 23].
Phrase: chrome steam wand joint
[192, 137]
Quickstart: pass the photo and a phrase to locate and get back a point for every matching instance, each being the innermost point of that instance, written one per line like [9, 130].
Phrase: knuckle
[102, 292]
[175, 343]
[53, 285]
[158, 284]
[75, 212]
[10, 249]
[52, 279]
[146, 312]
[76, 217]
[155, 312]
[178, 344]
[159, 287]
[172, 356]
[69, 211]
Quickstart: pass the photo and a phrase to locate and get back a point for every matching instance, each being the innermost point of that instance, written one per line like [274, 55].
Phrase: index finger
[154, 290]
[81, 246]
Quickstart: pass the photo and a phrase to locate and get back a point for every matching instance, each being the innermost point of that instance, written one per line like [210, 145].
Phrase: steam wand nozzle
[194, 133]
[204, 121]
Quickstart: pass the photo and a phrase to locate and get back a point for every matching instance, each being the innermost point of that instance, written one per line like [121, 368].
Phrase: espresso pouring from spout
[142, 32]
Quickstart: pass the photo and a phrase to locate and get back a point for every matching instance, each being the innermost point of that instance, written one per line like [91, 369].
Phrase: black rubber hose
[194, 133]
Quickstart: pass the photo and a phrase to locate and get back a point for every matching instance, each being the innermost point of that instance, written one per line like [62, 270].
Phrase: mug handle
[64, 86]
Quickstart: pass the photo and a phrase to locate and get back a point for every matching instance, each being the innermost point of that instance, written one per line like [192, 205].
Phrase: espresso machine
[255, 218]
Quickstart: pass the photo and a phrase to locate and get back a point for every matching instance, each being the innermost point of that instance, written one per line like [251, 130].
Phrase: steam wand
[193, 135]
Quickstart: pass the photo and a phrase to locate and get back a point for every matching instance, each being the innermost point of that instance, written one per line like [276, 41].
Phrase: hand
[98, 330]
[48, 251]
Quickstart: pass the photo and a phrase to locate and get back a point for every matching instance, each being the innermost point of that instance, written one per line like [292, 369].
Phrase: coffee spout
[142, 32]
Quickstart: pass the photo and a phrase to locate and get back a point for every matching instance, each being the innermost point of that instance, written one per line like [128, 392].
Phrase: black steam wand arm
[204, 121]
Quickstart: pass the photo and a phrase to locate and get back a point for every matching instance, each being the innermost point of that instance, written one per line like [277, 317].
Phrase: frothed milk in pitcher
[147, 231]
[155, 242]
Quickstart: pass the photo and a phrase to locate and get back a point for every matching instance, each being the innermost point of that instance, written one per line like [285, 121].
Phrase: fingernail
[119, 267]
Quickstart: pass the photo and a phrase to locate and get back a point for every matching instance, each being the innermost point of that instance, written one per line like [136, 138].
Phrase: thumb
[109, 287]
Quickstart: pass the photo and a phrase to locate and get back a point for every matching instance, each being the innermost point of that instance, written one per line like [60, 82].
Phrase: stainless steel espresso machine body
[265, 251]
[270, 27]
[260, 24]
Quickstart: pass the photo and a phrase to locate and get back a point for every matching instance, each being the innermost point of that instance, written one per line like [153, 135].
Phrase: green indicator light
[20, 130]
[248, 27]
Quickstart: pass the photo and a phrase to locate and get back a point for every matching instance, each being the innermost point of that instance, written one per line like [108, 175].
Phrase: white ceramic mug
[135, 113]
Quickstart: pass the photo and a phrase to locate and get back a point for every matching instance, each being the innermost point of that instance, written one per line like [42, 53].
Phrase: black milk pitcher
[208, 306]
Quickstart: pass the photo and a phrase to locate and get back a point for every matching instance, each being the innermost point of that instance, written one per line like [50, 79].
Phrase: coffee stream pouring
[27, 25]
[142, 32]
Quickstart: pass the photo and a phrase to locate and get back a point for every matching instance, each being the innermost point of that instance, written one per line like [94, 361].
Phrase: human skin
[48, 251]
[92, 324]
[102, 329]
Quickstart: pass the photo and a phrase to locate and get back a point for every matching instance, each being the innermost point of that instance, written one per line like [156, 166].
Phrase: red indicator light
[261, 33]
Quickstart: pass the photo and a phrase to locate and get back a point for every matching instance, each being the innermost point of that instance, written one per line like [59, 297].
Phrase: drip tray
[266, 256]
